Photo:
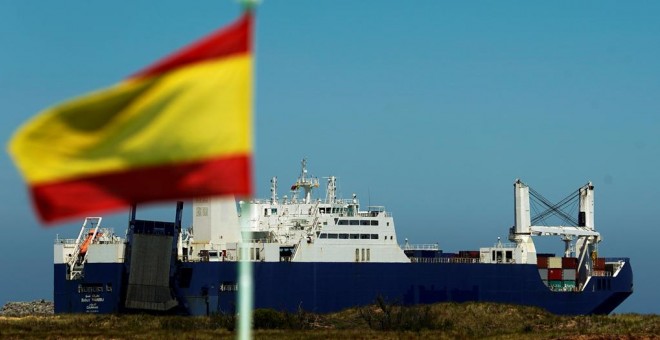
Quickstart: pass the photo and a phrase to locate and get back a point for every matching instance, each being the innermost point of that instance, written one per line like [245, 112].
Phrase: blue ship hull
[204, 288]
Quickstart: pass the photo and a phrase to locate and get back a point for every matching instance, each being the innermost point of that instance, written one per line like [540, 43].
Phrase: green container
[556, 283]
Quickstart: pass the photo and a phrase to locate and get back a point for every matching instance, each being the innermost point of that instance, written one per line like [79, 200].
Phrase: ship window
[493, 257]
[343, 236]
[362, 254]
[257, 255]
[252, 253]
[273, 211]
[332, 235]
[368, 254]
[509, 255]
[364, 236]
[357, 255]
[364, 222]
[388, 224]
[374, 236]
[343, 222]
[324, 235]
[355, 222]
[374, 222]
[325, 222]
[355, 236]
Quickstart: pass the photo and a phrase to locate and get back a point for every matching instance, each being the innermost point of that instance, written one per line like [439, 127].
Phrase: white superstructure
[299, 229]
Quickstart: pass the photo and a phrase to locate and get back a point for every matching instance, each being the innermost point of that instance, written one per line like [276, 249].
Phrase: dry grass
[380, 321]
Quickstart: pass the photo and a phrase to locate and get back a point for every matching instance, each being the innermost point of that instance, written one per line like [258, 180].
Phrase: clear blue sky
[430, 108]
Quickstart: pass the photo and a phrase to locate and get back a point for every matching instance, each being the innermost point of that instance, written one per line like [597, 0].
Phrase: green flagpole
[245, 278]
[245, 294]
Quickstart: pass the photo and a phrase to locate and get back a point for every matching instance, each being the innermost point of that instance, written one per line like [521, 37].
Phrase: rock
[37, 307]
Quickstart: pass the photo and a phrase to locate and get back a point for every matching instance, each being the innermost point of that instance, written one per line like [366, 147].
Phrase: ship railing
[443, 260]
[337, 201]
[109, 237]
[564, 289]
[65, 240]
[601, 273]
[504, 245]
[374, 213]
[459, 260]
[430, 246]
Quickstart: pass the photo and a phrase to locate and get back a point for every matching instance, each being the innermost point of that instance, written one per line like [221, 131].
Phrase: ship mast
[331, 192]
[307, 184]
[273, 190]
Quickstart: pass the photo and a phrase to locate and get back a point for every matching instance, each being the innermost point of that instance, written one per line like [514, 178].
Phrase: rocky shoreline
[37, 307]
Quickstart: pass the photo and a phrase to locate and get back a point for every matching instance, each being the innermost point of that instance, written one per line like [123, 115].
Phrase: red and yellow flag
[180, 128]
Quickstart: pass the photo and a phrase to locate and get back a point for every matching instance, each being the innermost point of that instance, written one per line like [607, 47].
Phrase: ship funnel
[215, 220]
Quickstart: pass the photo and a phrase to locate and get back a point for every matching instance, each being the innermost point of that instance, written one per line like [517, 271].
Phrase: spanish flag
[180, 128]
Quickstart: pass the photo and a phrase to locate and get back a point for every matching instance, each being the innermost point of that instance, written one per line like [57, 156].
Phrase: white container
[554, 262]
[569, 274]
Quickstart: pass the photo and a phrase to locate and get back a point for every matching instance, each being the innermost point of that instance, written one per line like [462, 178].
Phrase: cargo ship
[325, 254]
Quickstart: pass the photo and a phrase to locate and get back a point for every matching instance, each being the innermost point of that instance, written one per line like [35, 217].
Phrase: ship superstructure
[326, 254]
[296, 229]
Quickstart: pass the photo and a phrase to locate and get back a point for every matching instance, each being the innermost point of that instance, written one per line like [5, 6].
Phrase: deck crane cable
[554, 209]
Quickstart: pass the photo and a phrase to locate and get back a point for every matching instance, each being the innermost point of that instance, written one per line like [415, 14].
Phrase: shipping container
[555, 274]
[545, 254]
[599, 264]
[555, 283]
[542, 262]
[569, 274]
[543, 273]
[569, 262]
[463, 253]
[554, 262]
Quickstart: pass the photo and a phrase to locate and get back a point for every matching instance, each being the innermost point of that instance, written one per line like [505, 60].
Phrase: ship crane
[583, 229]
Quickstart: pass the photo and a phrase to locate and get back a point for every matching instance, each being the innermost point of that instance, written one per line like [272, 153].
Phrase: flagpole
[245, 277]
